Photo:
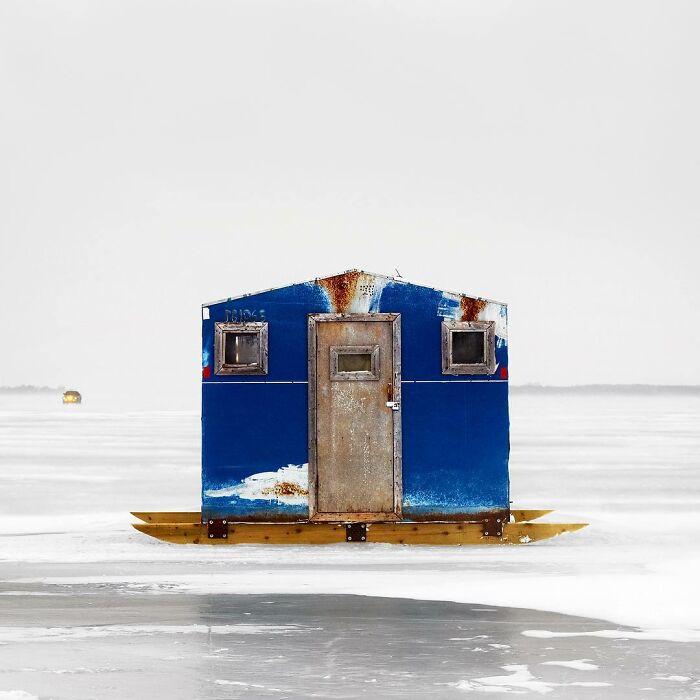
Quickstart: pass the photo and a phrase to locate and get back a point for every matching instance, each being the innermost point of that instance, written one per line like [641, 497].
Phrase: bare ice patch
[52, 634]
[287, 485]
[577, 664]
[257, 686]
[519, 682]
[668, 635]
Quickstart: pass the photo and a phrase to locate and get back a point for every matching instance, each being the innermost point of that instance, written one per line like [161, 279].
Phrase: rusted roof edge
[400, 280]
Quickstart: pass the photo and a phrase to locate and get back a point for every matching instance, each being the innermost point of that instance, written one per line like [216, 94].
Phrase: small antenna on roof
[398, 274]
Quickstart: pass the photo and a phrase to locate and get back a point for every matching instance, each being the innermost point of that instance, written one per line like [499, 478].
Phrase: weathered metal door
[354, 417]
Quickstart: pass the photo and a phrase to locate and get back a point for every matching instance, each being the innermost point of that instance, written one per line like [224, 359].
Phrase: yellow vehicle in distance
[72, 397]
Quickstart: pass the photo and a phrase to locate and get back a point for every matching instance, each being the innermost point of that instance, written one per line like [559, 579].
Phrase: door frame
[395, 320]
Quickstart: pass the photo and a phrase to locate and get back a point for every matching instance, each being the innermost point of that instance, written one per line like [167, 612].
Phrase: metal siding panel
[254, 426]
[286, 311]
[455, 448]
[250, 429]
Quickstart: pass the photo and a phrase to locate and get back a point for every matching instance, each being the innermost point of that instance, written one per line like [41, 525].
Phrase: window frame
[259, 328]
[371, 350]
[486, 327]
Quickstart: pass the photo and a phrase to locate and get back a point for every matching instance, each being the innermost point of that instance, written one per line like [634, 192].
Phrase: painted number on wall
[244, 315]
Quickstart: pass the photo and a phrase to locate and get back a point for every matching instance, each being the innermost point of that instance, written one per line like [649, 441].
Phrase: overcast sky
[158, 155]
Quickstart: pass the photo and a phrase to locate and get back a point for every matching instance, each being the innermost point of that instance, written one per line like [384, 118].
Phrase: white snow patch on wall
[450, 308]
[367, 294]
[16, 695]
[499, 315]
[287, 485]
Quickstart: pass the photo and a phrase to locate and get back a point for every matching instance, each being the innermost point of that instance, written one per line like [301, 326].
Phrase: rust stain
[341, 289]
[471, 308]
[286, 488]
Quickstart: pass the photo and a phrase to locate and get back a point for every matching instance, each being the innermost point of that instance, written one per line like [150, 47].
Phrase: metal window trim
[489, 330]
[314, 514]
[259, 328]
[362, 376]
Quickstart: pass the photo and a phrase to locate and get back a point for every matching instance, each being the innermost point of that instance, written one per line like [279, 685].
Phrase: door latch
[393, 405]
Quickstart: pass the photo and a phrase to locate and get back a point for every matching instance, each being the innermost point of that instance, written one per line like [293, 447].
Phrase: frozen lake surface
[90, 608]
[112, 642]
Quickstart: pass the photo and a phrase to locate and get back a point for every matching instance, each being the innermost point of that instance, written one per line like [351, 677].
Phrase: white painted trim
[253, 382]
[403, 381]
[453, 381]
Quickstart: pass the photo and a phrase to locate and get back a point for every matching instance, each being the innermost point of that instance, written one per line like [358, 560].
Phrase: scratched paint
[353, 292]
[287, 485]
[455, 427]
[458, 307]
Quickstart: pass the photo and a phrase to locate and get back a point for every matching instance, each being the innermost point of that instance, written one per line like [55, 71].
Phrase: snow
[671, 635]
[627, 464]
[265, 486]
[577, 664]
[51, 634]
[520, 681]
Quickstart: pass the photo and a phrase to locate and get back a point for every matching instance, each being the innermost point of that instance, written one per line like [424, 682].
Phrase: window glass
[468, 347]
[355, 362]
[241, 348]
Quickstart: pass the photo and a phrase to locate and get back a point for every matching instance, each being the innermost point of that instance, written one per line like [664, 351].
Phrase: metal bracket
[356, 532]
[217, 529]
[492, 527]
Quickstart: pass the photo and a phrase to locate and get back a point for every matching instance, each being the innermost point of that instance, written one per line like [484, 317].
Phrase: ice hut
[354, 398]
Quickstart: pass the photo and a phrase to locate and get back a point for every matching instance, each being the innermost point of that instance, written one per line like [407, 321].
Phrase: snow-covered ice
[627, 464]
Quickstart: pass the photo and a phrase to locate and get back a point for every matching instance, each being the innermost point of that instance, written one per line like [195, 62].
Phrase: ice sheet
[627, 464]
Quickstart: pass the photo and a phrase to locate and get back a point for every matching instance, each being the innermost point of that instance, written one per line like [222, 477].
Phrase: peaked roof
[399, 280]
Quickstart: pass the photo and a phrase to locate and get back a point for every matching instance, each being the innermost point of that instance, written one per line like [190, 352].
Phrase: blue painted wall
[254, 427]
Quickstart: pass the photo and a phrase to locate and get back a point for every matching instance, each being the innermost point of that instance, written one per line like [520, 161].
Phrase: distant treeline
[31, 389]
[606, 389]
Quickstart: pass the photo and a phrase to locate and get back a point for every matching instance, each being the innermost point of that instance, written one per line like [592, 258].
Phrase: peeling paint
[498, 313]
[253, 423]
[286, 485]
[285, 488]
[456, 307]
[353, 292]
[471, 308]
[341, 289]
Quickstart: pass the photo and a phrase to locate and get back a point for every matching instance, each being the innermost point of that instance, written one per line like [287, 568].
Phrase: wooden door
[354, 417]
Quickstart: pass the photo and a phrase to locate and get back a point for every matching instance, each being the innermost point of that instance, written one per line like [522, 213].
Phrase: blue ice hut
[355, 397]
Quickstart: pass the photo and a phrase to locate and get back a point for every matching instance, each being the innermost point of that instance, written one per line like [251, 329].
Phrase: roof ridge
[400, 280]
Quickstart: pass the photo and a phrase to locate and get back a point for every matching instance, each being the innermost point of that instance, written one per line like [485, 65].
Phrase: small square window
[360, 362]
[241, 348]
[468, 347]
[354, 362]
